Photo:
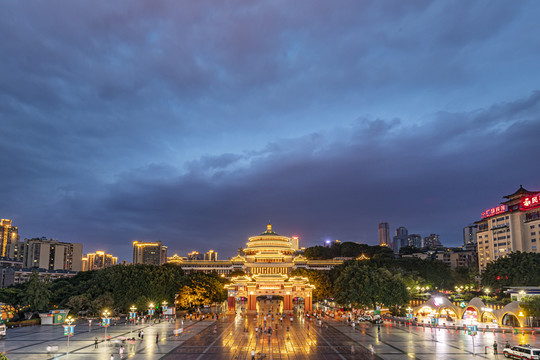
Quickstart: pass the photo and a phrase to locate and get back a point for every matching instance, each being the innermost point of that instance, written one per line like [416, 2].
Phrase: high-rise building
[401, 239]
[149, 253]
[8, 234]
[384, 234]
[414, 240]
[469, 234]
[98, 260]
[294, 243]
[514, 225]
[195, 255]
[50, 254]
[210, 255]
[432, 241]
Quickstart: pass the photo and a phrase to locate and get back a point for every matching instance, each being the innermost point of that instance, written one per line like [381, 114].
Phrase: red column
[308, 307]
[231, 301]
[287, 303]
[252, 302]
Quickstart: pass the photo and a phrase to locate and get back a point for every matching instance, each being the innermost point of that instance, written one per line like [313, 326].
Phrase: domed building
[268, 262]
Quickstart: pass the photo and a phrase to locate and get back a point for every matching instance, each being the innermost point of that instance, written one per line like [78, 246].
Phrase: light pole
[132, 317]
[151, 312]
[69, 321]
[164, 307]
[106, 314]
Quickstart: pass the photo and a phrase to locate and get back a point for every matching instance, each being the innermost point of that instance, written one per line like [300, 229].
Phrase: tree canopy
[516, 269]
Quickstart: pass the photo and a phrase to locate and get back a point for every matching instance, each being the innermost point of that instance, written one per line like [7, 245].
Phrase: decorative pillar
[308, 304]
[252, 301]
[287, 303]
[231, 302]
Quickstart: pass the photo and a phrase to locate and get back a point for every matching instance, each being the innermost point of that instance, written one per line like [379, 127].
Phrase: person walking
[142, 334]
[252, 354]
[96, 343]
[112, 356]
[157, 338]
[139, 335]
[121, 352]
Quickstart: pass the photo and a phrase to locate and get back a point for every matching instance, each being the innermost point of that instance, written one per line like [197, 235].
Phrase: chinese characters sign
[495, 211]
[530, 202]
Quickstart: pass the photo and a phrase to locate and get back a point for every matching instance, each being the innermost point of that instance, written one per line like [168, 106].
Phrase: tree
[201, 289]
[320, 279]
[531, 304]
[516, 269]
[37, 293]
[360, 284]
[78, 303]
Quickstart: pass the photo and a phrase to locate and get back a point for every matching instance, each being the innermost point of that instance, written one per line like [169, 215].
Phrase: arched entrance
[269, 304]
[448, 314]
[510, 319]
[470, 314]
[488, 317]
[241, 304]
[299, 305]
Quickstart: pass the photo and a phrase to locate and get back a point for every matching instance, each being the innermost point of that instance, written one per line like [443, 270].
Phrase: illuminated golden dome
[269, 242]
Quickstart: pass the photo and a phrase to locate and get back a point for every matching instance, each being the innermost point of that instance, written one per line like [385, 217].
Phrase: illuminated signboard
[495, 211]
[530, 202]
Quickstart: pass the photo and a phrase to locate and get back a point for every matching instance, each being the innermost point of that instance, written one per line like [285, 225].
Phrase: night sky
[197, 122]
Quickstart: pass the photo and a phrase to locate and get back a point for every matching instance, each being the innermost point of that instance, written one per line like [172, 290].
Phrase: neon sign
[495, 211]
[530, 202]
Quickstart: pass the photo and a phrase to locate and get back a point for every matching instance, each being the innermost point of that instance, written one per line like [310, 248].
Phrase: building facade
[513, 225]
[210, 255]
[98, 260]
[415, 240]
[245, 260]
[50, 254]
[469, 234]
[432, 241]
[8, 234]
[384, 234]
[149, 253]
[401, 239]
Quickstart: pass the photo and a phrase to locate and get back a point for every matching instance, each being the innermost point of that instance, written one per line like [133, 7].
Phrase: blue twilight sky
[196, 122]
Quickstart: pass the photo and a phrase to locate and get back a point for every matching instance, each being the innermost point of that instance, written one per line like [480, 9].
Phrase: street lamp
[164, 308]
[151, 312]
[132, 315]
[68, 330]
[106, 321]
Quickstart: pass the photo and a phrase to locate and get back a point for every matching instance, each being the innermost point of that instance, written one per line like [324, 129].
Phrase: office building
[432, 241]
[8, 234]
[195, 255]
[513, 225]
[210, 255]
[294, 243]
[401, 239]
[469, 234]
[414, 240]
[51, 254]
[149, 253]
[98, 260]
[384, 234]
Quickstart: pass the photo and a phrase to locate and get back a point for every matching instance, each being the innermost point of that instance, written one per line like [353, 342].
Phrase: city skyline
[196, 123]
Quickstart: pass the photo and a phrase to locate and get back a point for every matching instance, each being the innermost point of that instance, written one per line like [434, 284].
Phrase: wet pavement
[236, 339]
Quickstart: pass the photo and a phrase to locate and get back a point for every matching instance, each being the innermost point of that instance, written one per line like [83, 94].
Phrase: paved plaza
[236, 338]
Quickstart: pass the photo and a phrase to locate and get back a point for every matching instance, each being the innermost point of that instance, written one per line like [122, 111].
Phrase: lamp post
[164, 307]
[69, 321]
[106, 314]
[132, 317]
[151, 312]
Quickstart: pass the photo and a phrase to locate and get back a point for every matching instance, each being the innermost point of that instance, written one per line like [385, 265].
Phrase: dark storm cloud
[196, 122]
[436, 177]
